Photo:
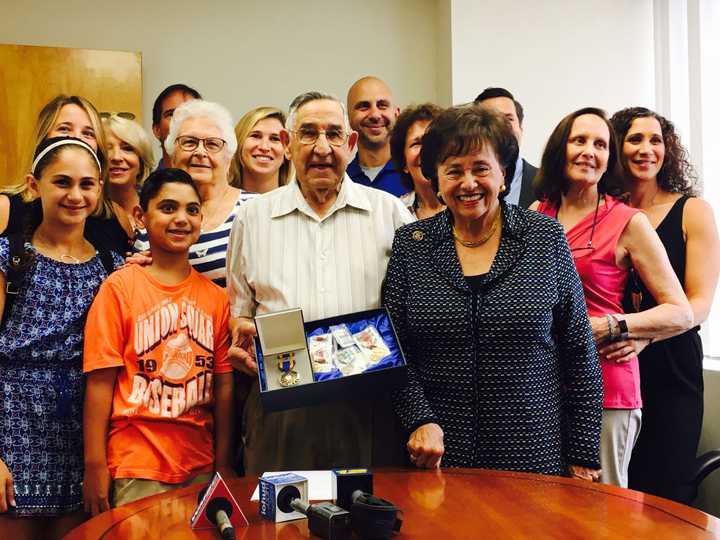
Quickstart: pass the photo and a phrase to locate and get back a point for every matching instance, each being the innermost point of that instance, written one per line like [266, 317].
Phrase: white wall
[244, 53]
[554, 56]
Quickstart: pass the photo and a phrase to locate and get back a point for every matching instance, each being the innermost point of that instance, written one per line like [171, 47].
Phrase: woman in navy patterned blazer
[489, 309]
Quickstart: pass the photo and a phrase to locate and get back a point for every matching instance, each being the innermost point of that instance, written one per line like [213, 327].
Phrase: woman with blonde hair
[130, 161]
[260, 164]
[68, 116]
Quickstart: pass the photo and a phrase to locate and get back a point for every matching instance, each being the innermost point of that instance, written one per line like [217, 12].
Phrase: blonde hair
[133, 134]
[45, 122]
[242, 130]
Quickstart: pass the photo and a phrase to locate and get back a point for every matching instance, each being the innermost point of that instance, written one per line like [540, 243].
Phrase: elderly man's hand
[426, 446]
[242, 348]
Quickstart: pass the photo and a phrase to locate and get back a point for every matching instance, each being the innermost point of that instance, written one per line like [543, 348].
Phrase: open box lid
[281, 331]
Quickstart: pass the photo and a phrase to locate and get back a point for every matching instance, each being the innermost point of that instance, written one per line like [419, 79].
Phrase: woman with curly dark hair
[405, 146]
[578, 183]
[663, 184]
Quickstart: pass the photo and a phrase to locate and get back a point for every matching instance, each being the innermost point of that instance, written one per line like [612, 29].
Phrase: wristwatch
[624, 334]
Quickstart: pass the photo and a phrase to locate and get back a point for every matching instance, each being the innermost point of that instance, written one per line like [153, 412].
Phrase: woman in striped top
[202, 142]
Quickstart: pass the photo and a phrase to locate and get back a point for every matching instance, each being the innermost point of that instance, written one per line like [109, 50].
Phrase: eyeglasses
[335, 137]
[126, 115]
[211, 144]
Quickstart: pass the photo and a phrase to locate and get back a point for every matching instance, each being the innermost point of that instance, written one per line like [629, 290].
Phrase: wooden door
[31, 76]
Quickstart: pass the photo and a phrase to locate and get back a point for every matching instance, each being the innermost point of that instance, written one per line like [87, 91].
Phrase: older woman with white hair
[202, 142]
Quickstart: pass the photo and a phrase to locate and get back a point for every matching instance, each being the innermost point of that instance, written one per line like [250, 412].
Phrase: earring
[502, 188]
[439, 198]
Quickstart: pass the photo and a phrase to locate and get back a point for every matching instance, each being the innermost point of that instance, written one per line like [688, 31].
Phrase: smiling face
[68, 187]
[124, 163]
[413, 145]
[173, 218]
[73, 121]
[263, 151]
[203, 166]
[372, 113]
[320, 166]
[587, 150]
[644, 148]
[470, 184]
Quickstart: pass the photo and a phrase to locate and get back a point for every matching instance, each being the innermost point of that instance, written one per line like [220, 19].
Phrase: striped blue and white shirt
[208, 254]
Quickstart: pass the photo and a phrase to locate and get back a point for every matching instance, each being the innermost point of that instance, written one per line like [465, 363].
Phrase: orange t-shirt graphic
[170, 341]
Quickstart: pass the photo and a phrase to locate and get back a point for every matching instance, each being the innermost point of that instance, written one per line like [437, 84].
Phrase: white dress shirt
[282, 255]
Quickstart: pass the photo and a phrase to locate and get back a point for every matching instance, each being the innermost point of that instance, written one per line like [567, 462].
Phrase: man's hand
[584, 473]
[426, 446]
[7, 488]
[96, 488]
[242, 347]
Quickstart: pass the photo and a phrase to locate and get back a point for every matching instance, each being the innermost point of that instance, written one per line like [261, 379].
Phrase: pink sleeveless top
[604, 284]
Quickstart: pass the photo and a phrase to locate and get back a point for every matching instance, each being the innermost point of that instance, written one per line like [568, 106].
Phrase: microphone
[372, 518]
[218, 512]
[325, 520]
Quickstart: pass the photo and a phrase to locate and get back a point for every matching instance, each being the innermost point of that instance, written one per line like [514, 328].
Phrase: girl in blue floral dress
[41, 384]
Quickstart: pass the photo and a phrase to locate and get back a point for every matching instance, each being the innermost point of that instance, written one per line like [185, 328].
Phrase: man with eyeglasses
[373, 115]
[163, 108]
[321, 243]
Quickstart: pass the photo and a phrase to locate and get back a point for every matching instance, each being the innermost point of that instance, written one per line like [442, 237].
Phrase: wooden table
[452, 503]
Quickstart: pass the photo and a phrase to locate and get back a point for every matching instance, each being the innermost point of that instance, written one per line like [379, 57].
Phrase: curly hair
[551, 183]
[677, 175]
[425, 112]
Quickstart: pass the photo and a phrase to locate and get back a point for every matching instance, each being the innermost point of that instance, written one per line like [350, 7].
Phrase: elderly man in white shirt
[321, 243]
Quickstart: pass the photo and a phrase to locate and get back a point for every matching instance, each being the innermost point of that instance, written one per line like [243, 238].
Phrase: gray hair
[314, 95]
[199, 108]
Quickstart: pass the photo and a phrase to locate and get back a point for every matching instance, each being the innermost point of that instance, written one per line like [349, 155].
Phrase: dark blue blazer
[510, 372]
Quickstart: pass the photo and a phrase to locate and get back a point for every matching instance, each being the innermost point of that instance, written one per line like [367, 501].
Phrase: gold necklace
[478, 243]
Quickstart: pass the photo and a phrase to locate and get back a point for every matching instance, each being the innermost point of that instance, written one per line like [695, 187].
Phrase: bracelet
[611, 333]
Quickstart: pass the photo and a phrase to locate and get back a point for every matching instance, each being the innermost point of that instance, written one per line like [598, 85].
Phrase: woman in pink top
[577, 184]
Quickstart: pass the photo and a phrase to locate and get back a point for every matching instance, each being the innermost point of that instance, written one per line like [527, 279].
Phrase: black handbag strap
[17, 265]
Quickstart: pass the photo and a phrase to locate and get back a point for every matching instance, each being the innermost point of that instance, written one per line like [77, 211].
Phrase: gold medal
[289, 378]
[286, 363]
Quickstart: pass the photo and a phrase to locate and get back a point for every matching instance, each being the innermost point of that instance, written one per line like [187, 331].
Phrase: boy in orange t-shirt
[158, 405]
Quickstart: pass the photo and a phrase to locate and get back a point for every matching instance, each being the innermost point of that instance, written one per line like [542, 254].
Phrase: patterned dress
[509, 371]
[41, 383]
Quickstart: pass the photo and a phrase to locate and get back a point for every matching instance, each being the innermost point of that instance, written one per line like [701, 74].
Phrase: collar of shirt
[293, 199]
[354, 170]
[516, 183]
